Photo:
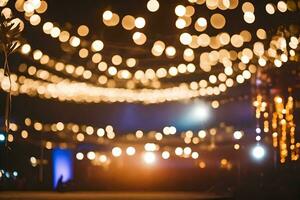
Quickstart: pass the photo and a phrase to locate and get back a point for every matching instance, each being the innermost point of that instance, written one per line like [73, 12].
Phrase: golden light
[102, 66]
[35, 20]
[43, 7]
[202, 134]
[128, 22]
[240, 79]
[37, 54]
[212, 4]
[202, 22]
[91, 155]
[139, 134]
[100, 132]
[60, 126]
[270, 9]
[28, 7]
[55, 31]
[185, 38]
[248, 7]
[107, 15]
[48, 145]
[180, 23]
[35, 3]
[79, 156]
[83, 53]
[24, 134]
[80, 137]
[130, 151]
[131, 62]
[149, 158]
[139, 38]
[195, 155]
[6, 12]
[170, 51]
[237, 40]
[158, 136]
[238, 135]
[33, 161]
[282, 6]
[236, 146]
[83, 30]
[74, 41]
[10, 138]
[116, 151]
[116, 60]
[187, 150]
[64, 36]
[249, 17]
[190, 11]
[212, 79]
[111, 135]
[165, 155]
[112, 70]
[103, 158]
[153, 5]
[97, 45]
[150, 147]
[277, 63]
[140, 22]
[178, 151]
[89, 130]
[202, 164]
[25, 49]
[203, 40]
[218, 21]
[215, 104]
[158, 48]
[180, 10]
[109, 128]
[224, 162]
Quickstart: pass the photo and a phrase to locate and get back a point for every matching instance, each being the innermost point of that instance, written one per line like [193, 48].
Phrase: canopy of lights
[192, 49]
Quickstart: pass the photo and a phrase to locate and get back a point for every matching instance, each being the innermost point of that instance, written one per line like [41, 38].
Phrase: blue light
[200, 112]
[197, 113]
[62, 165]
[15, 173]
[2, 137]
[258, 152]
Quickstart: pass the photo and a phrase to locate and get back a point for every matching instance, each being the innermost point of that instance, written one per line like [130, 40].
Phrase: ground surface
[106, 196]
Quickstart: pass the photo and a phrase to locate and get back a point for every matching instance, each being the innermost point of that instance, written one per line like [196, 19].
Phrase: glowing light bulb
[149, 158]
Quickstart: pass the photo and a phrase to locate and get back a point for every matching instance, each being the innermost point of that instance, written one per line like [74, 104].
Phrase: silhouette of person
[60, 184]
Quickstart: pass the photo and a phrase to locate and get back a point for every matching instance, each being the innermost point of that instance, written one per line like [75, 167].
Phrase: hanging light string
[247, 9]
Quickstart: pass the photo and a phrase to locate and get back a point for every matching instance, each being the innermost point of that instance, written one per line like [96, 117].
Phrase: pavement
[12, 195]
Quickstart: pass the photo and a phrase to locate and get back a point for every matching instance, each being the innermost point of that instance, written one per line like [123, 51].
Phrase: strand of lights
[148, 150]
[103, 78]
[80, 132]
[244, 56]
[247, 7]
[45, 75]
[79, 92]
[147, 157]
[150, 74]
[284, 128]
[203, 86]
[83, 92]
